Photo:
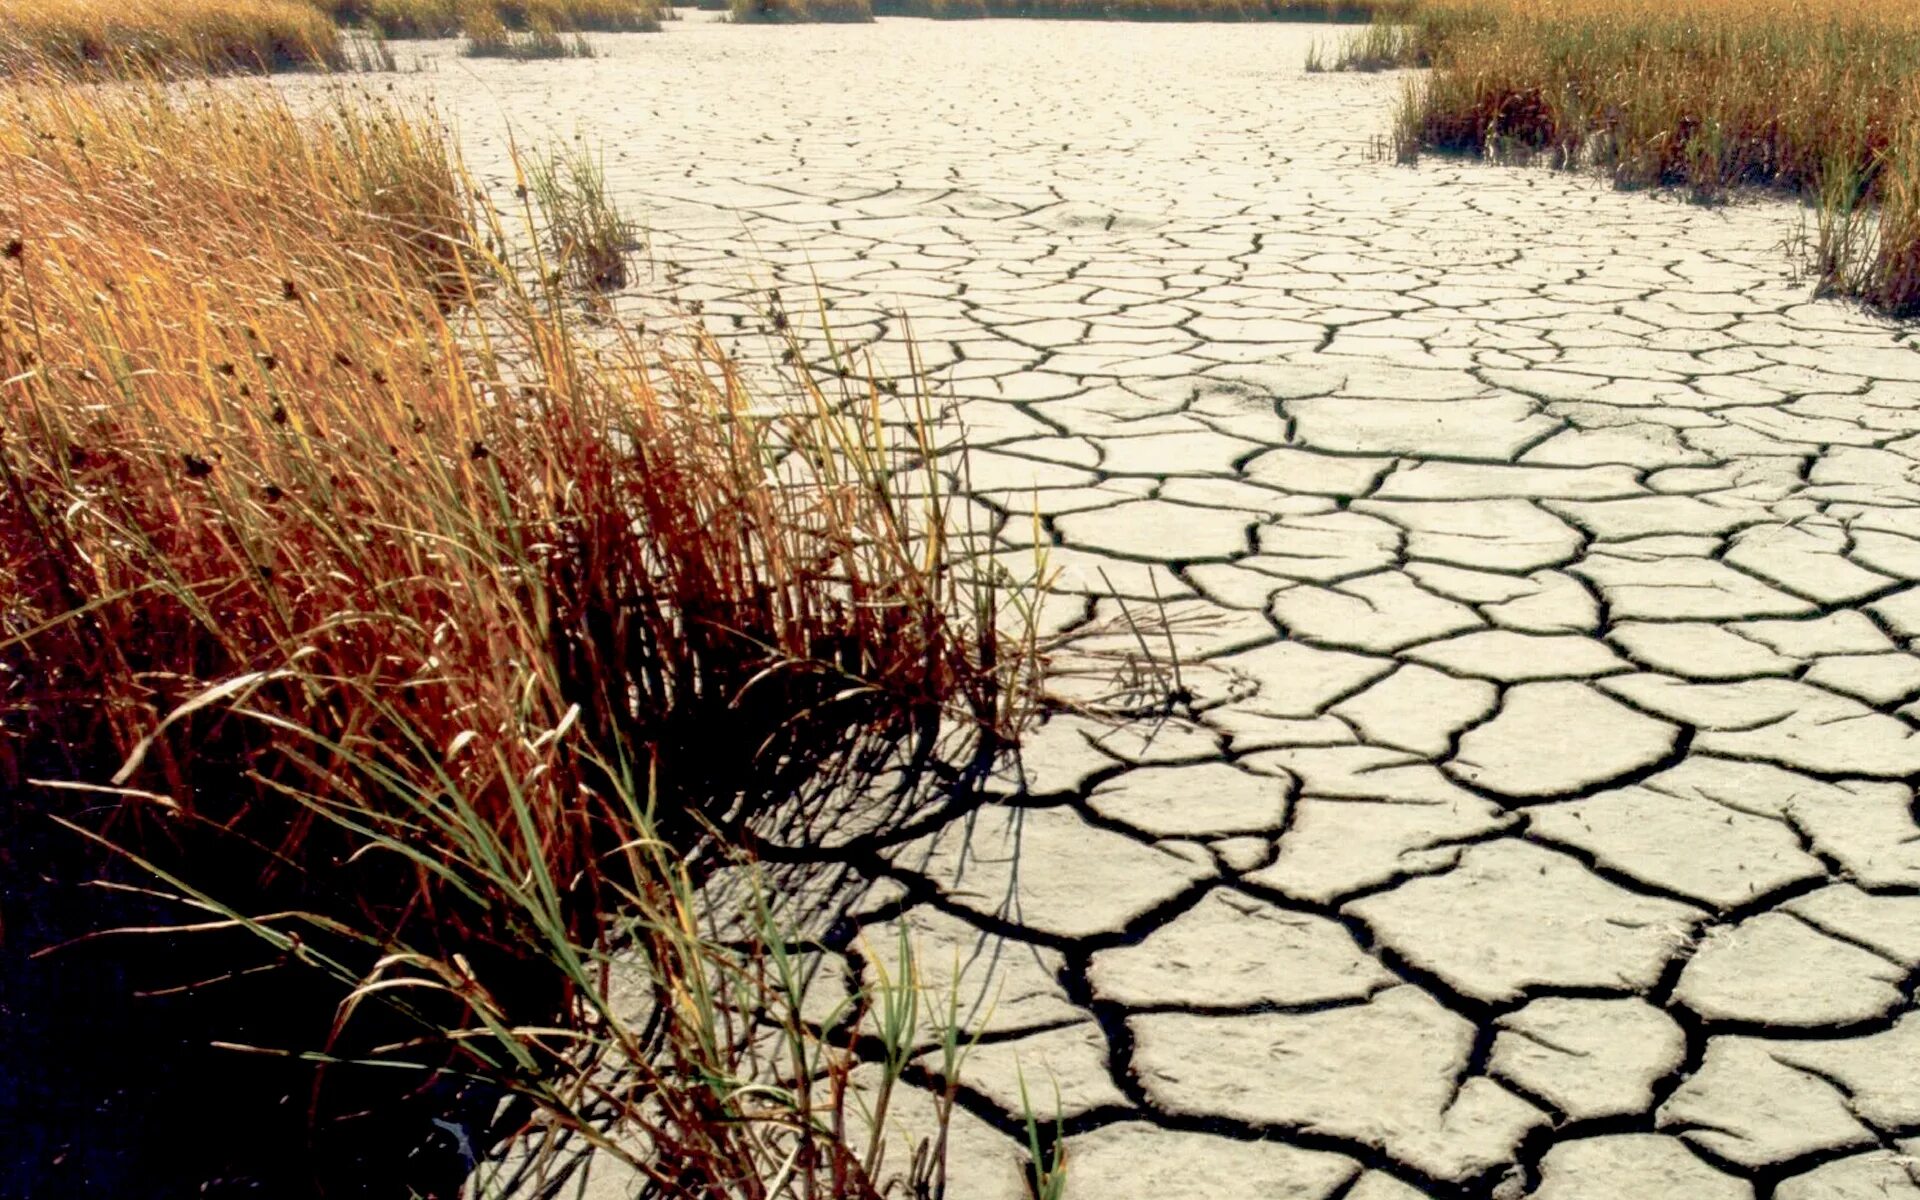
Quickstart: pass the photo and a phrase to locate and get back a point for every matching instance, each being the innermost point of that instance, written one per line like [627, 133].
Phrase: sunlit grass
[775, 11]
[1135, 10]
[361, 598]
[446, 18]
[488, 37]
[1184, 10]
[225, 35]
[589, 236]
[1820, 99]
[201, 35]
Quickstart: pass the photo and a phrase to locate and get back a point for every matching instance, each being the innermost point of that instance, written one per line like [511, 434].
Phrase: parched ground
[1544, 561]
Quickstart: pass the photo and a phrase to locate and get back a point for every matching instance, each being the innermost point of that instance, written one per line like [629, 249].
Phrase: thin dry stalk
[368, 591]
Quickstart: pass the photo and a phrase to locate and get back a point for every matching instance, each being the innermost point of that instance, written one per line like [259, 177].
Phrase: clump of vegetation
[487, 37]
[356, 603]
[939, 10]
[785, 12]
[402, 18]
[1385, 44]
[115, 37]
[1136, 10]
[586, 232]
[110, 36]
[596, 16]
[447, 18]
[369, 51]
[1186, 10]
[1708, 96]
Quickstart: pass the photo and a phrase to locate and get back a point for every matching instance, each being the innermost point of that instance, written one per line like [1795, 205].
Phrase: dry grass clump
[788, 12]
[194, 35]
[1817, 99]
[363, 603]
[401, 18]
[1186, 10]
[487, 37]
[480, 18]
[587, 234]
[112, 37]
[597, 16]
[939, 10]
[1136, 10]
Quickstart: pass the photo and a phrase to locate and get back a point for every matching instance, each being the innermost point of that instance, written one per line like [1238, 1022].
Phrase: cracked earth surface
[1543, 823]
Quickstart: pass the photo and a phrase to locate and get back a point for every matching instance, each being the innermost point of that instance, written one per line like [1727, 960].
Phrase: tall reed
[446, 18]
[487, 37]
[196, 35]
[112, 37]
[1137, 10]
[354, 596]
[1814, 99]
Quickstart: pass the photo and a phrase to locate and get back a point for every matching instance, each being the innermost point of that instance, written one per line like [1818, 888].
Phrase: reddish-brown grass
[368, 602]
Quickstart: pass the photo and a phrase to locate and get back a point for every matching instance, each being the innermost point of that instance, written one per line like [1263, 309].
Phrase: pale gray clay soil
[1542, 559]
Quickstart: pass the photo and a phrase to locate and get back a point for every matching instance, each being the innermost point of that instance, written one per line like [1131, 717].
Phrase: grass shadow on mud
[400, 657]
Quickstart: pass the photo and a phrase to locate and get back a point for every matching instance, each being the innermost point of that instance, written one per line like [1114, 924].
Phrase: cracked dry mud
[1545, 561]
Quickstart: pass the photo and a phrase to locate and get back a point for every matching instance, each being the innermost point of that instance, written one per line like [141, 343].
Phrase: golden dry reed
[200, 35]
[1821, 97]
[445, 18]
[270, 414]
[1094, 10]
[1135, 10]
[1183, 10]
[369, 602]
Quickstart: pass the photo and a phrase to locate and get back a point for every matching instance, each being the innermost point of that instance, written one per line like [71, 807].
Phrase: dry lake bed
[1543, 561]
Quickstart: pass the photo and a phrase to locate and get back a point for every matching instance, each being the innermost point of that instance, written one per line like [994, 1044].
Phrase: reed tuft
[358, 601]
[1818, 100]
[114, 36]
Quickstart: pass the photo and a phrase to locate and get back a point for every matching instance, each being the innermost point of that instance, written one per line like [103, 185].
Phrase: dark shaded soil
[111, 1082]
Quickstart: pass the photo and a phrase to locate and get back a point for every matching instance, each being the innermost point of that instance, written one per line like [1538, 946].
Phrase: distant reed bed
[1820, 99]
[1137, 10]
[262, 35]
[792, 12]
[448, 18]
[780, 11]
[197, 37]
